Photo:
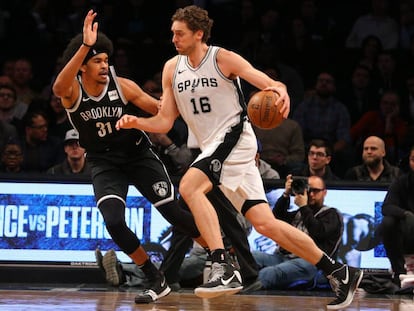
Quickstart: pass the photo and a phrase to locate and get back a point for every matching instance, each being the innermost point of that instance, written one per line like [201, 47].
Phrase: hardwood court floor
[101, 299]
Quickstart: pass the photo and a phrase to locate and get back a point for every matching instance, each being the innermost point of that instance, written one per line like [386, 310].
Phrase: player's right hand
[90, 28]
[127, 122]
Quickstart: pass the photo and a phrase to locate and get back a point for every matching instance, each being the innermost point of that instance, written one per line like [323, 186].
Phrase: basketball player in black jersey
[95, 98]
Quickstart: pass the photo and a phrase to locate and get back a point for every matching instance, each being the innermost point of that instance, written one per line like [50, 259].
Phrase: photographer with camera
[322, 223]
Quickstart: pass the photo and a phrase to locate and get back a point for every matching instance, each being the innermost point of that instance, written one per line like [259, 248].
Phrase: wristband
[87, 45]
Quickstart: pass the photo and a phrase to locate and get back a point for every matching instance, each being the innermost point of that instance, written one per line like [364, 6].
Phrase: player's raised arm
[65, 85]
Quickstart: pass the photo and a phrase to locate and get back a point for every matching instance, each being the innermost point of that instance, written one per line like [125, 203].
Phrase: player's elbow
[58, 89]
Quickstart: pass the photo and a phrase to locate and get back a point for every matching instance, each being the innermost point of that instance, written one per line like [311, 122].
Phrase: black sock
[207, 251]
[219, 255]
[328, 265]
[150, 271]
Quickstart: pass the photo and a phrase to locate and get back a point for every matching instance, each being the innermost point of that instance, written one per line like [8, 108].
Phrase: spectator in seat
[319, 157]
[12, 157]
[40, 149]
[374, 167]
[75, 161]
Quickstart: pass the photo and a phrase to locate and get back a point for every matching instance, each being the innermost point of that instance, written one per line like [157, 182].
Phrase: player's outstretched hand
[127, 122]
[90, 28]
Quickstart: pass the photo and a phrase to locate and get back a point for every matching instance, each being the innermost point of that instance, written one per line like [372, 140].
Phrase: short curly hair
[102, 45]
[196, 19]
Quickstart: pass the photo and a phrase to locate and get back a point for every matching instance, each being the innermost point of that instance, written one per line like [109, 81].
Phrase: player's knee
[186, 190]
[264, 227]
[113, 211]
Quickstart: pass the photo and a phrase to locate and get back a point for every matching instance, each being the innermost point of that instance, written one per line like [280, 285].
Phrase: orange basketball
[262, 111]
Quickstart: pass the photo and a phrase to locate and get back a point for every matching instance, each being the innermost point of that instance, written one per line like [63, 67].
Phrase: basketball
[262, 111]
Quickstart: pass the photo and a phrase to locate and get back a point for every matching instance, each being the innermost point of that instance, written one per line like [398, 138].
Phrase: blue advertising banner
[60, 222]
[71, 222]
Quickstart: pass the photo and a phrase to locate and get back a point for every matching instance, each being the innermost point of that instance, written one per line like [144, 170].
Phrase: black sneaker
[344, 283]
[113, 270]
[224, 279]
[158, 290]
[99, 258]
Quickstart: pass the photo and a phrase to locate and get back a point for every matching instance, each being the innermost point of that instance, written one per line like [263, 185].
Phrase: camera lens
[299, 185]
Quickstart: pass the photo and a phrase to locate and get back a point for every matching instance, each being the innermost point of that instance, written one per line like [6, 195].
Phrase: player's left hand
[127, 122]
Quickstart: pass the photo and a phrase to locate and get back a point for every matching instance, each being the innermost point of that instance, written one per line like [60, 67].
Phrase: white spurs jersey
[209, 102]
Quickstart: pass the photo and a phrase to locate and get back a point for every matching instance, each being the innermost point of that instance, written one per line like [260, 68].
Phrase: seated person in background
[23, 78]
[282, 147]
[385, 122]
[319, 157]
[12, 157]
[266, 171]
[41, 150]
[11, 110]
[397, 226]
[374, 166]
[75, 161]
[322, 223]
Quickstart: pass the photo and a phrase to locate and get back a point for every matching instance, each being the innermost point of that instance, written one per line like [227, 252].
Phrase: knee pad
[113, 212]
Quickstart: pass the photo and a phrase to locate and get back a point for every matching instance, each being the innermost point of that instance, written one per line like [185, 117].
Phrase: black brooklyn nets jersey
[95, 119]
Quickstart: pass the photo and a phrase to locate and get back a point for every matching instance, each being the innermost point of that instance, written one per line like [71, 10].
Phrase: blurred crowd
[348, 67]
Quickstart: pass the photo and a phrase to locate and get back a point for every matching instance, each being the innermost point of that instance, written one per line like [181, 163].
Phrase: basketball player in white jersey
[202, 85]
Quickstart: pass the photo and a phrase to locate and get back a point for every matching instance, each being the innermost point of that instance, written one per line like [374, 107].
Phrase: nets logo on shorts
[160, 188]
[215, 166]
